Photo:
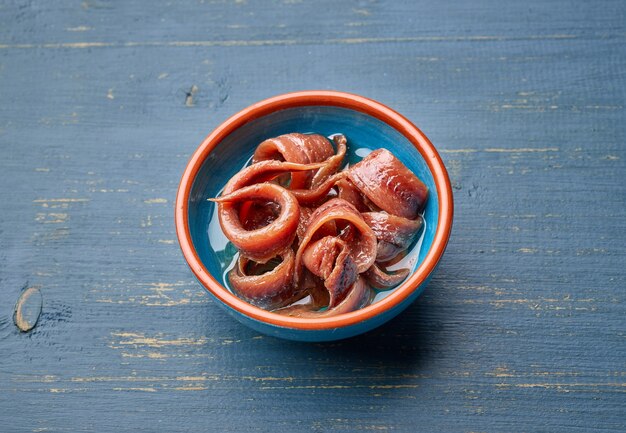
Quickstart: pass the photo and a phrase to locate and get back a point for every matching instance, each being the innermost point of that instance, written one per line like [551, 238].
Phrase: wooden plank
[522, 328]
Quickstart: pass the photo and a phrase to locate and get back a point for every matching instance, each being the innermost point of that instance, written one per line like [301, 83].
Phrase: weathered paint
[522, 327]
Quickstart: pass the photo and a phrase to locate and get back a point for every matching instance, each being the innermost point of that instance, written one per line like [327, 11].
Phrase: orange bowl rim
[318, 98]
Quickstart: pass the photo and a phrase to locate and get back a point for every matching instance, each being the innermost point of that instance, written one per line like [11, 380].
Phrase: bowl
[367, 124]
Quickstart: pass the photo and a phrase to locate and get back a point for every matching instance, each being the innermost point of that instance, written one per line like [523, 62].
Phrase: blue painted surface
[522, 326]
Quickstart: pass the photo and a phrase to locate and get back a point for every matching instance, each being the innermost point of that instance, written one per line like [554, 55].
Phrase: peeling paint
[138, 339]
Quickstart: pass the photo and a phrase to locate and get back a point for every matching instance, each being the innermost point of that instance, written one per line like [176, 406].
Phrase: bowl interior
[364, 133]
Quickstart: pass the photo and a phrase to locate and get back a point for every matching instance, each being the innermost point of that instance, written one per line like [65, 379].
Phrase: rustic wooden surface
[523, 326]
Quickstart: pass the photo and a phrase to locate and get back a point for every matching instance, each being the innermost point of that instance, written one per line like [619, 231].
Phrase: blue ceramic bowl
[368, 125]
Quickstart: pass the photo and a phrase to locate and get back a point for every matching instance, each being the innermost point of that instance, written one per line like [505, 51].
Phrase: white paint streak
[283, 42]
[155, 201]
[79, 29]
[61, 200]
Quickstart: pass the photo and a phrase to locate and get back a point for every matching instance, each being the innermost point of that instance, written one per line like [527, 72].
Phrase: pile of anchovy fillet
[313, 240]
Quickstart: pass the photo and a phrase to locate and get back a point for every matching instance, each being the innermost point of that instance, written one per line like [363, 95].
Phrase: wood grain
[523, 326]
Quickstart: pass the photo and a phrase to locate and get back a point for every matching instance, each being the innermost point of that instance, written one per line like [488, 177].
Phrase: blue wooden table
[523, 327]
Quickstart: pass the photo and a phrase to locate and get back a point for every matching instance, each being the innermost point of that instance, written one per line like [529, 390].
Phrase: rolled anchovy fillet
[269, 290]
[265, 242]
[383, 280]
[299, 148]
[359, 296]
[394, 233]
[384, 180]
[329, 258]
[363, 245]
